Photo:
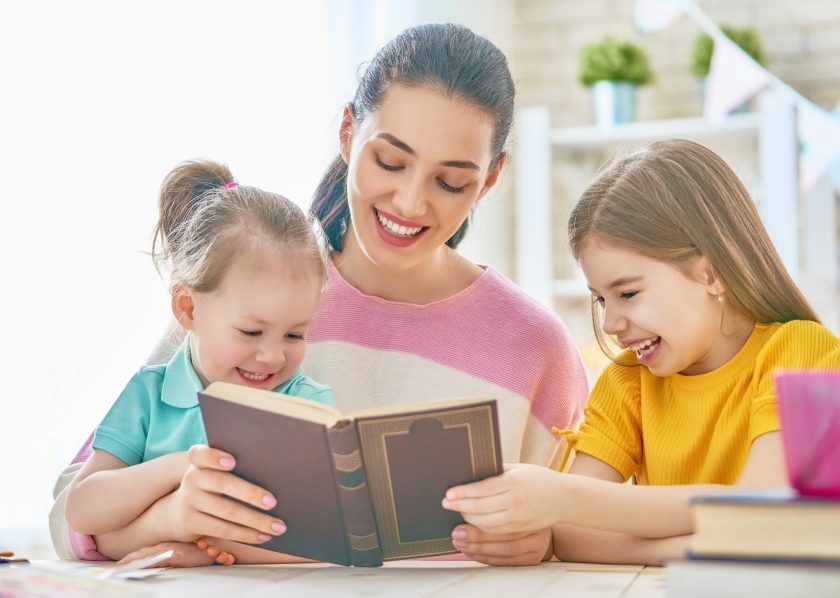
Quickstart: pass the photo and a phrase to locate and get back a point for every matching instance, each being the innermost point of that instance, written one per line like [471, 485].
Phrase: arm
[529, 498]
[210, 501]
[98, 500]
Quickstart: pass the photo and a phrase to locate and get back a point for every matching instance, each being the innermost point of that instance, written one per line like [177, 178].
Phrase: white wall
[99, 100]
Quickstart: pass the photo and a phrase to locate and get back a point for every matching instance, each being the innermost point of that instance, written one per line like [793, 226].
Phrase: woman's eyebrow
[399, 143]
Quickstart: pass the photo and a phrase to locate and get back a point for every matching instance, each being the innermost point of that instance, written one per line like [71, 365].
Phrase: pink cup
[809, 410]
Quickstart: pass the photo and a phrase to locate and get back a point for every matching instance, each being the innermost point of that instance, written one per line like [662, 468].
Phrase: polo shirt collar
[181, 384]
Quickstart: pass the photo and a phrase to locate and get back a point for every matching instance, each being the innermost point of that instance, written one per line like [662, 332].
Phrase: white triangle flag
[819, 137]
[734, 78]
[656, 15]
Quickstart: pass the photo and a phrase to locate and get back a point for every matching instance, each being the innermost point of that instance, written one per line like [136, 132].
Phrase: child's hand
[214, 552]
[207, 502]
[508, 550]
[184, 554]
[523, 499]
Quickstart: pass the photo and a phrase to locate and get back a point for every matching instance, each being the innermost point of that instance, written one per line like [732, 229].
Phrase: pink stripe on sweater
[490, 330]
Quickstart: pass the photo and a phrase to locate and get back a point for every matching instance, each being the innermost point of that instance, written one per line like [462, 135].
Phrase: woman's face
[415, 169]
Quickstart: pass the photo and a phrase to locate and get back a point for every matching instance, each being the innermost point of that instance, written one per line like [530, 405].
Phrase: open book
[360, 488]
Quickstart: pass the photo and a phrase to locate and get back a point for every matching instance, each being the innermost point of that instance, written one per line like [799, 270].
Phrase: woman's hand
[184, 554]
[205, 503]
[524, 499]
[508, 550]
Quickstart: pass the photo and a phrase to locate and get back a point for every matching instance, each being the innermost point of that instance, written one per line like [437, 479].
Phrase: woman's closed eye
[386, 166]
[449, 188]
[295, 336]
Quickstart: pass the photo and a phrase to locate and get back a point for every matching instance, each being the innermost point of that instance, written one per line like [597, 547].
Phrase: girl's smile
[670, 315]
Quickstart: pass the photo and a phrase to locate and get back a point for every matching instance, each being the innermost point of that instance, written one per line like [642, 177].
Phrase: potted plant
[745, 38]
[613, 69]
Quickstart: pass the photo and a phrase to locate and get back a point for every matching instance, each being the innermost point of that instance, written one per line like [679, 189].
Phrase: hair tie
[230, 185]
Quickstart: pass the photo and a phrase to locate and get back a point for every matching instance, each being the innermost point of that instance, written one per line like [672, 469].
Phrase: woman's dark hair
[448, 58]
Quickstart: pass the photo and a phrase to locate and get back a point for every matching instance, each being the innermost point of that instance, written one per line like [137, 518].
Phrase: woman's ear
[345, 134]
[493, 176]
[183, 306]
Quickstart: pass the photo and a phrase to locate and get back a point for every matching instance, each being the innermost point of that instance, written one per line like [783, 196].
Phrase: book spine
[353, 496]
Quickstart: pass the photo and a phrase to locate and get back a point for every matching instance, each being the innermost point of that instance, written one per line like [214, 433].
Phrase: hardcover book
[771, 525]
[355, 489]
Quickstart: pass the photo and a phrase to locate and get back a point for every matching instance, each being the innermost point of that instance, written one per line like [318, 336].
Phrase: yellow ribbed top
[697, 429]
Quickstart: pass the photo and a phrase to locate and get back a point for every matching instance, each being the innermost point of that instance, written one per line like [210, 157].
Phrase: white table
[405, 579]
[410, 579]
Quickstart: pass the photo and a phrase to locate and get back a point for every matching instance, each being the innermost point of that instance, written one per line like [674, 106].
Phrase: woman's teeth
[397, 229]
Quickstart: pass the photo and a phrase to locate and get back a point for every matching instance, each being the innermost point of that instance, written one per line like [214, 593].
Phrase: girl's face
[415, 169]
[252, 329]
[670, 317]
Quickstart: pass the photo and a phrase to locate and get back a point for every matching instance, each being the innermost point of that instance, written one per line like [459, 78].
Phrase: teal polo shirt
[158, 413]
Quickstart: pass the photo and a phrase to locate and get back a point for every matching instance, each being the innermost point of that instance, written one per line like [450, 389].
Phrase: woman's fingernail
[459, 534]
[268, 500]
[263, 537]
[278, 526]
[227, 462]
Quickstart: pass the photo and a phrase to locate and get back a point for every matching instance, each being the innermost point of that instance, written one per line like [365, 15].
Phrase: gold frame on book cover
[479, 424]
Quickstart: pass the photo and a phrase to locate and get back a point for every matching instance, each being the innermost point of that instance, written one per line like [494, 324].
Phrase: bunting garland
[734, 77]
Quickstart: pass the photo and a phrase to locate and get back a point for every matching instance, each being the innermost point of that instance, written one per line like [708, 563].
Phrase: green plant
[745, 38]
[612, 60]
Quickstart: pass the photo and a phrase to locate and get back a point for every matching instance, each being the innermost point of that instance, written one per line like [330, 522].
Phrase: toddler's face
[252, 329]
[670, 317]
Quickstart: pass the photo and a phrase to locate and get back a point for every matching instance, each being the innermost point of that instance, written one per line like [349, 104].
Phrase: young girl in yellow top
[685, 278]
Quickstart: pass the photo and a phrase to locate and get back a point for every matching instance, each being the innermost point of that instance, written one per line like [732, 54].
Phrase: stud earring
[720, 297]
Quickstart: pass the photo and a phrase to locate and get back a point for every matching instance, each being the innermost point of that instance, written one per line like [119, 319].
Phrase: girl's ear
[183, 306]
[493, 175]
[345, 134]
[707, 274]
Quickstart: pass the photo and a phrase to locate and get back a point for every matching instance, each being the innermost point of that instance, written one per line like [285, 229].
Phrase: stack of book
[784, 543]
[771, 544]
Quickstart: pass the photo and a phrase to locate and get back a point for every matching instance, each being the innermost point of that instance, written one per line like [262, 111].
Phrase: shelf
[578, 138]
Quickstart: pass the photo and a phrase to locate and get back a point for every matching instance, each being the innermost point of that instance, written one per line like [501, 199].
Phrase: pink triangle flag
[734, 78]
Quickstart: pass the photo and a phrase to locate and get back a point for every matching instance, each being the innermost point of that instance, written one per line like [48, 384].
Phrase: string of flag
[735, 77]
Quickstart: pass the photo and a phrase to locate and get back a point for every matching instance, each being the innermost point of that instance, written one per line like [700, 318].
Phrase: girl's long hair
[675, 200]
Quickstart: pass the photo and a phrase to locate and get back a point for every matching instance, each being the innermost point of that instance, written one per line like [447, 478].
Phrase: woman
[405, 317]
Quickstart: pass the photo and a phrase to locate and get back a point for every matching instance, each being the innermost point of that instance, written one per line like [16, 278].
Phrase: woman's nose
[409, 199]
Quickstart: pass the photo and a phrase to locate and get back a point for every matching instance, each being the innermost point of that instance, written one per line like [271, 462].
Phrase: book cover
[768, 525]
[355, 489]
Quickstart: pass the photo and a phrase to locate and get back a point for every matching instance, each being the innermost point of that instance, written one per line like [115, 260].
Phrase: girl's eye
[449, 188]
[252, 333]
[628, 294]
[294, 336]
[388, 167]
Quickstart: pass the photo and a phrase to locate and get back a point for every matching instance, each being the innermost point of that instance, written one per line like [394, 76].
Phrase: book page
[274, 402]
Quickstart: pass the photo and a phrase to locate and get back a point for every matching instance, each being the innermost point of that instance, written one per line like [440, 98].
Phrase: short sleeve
[797, 345]
[611, 428]
[125, 428]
